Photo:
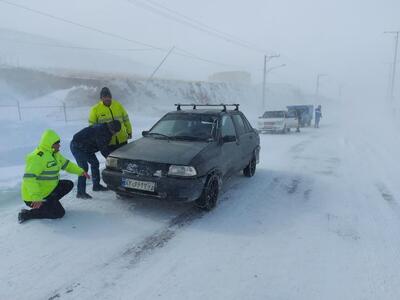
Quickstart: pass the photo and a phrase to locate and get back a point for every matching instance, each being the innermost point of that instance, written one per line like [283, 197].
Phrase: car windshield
[185, 127]
[274, 114]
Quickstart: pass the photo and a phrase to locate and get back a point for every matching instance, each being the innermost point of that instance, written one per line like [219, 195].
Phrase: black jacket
[93, 139]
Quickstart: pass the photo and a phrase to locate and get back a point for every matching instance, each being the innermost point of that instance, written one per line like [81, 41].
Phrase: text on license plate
[138, 185]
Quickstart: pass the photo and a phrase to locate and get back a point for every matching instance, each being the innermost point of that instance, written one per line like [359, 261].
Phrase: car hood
[161, 150]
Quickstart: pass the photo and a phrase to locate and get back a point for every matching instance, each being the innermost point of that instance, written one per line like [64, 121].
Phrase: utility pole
[267, 58]
[161, 63]
[317, 86]
[393, 79]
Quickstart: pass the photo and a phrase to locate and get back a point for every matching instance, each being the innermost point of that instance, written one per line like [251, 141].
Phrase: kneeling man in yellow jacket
[41, 187]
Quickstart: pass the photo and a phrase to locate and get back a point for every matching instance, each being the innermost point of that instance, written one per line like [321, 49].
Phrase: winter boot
[24, 215]
[83, 196]
[99, 188]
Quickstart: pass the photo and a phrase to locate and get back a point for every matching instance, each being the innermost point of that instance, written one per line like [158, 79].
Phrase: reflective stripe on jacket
[100, 113]
[42, 169]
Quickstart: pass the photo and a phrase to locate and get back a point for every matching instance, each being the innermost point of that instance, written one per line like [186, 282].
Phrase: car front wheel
[250, 170]
[209, 197]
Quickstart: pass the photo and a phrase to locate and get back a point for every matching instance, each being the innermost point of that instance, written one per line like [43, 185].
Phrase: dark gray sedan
[186, 156]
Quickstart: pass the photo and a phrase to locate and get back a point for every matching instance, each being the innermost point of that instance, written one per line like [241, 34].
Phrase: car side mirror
[229, 139]
[145, 133]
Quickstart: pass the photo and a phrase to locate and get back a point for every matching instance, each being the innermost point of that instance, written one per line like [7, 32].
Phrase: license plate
[138, 185]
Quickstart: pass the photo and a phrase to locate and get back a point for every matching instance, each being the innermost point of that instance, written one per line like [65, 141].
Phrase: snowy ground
[320, 220]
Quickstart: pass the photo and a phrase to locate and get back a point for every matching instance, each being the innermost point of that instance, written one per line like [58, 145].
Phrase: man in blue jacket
[84, 146]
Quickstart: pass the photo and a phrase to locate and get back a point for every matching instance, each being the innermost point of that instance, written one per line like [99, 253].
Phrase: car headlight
[186, 171]
[112, 162]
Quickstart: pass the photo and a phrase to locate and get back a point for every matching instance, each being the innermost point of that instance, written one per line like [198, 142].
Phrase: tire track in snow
[159, 239]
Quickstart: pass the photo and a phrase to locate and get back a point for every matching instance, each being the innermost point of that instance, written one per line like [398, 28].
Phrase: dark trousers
[83, 159]
[51, 207]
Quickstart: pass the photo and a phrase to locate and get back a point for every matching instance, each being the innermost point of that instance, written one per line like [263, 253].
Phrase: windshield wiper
[189, 137]
[159, 134]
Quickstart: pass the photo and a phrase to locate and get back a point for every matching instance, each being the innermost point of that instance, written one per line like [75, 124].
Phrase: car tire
[250, 170]
[209, 197]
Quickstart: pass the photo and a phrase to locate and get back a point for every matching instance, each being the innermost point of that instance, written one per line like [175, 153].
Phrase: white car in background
[277, 121]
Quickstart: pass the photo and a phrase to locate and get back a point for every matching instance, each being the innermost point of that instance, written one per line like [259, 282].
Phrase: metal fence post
[19, 110]
[65, 112]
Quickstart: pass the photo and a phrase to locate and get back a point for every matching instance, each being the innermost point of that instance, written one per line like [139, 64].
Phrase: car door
[247, 140]
[230, 150]
[291, 120]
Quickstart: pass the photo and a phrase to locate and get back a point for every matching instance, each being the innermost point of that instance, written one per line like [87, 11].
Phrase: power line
[73, 47]
[219, 32]
[117, 36]
[194, 56]
[81, 25]
[184, 20]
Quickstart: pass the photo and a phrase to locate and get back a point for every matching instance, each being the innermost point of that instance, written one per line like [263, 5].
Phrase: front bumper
[270, 128]
[167, 188]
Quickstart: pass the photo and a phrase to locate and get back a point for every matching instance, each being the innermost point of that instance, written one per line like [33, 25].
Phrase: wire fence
[61, 112]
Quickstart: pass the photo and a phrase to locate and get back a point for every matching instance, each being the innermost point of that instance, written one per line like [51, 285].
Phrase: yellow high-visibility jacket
[42, 170]
[100, 113]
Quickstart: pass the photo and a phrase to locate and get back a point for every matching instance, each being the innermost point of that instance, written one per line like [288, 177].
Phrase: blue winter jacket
[93, 139]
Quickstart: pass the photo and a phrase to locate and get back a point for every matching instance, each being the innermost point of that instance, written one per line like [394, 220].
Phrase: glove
[85, 174]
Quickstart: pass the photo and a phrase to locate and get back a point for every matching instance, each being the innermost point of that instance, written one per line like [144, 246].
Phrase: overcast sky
[341, 38]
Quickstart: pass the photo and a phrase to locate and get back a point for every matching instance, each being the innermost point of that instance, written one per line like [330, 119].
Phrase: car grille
[144, 168]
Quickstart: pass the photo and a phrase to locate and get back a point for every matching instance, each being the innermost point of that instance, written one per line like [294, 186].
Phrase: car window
[227, 127]
[274, 114]
[241, 128]
[247, 124]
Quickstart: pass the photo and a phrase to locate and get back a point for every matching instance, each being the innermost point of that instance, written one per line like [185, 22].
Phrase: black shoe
[83, 196]
[23, 216]
[99, 188]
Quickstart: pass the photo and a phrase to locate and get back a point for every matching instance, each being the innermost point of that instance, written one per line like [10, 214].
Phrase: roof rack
[179, 105]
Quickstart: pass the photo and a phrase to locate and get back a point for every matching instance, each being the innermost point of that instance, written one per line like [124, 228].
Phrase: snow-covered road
[320, 220]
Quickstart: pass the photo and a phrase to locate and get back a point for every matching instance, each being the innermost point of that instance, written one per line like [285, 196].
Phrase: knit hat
[114, 126]
[105, 92]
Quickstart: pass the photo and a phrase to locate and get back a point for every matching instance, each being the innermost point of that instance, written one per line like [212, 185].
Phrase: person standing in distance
[318, 116]
[108, 110]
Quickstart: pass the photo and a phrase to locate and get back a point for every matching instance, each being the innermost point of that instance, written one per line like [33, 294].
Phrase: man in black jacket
[84, 146]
